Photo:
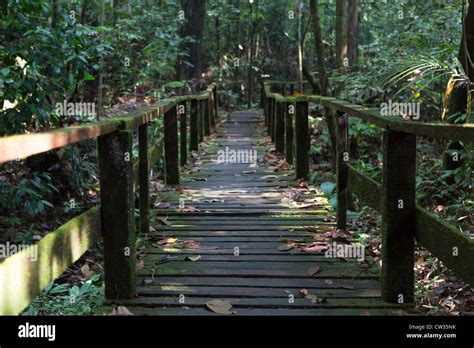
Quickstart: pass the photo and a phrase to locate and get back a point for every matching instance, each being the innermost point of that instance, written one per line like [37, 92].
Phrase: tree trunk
[341, 32]
[323, 79]
[299, 40]
[195, 12]
[251, 50]
[352, 32]
[459, 98]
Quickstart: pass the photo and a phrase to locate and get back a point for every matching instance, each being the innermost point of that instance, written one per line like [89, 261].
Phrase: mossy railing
[404, 221]
[22, 277]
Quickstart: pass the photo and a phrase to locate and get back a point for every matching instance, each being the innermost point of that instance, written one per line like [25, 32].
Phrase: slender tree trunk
[195, 13]
[323, 79]
[352, 32]
[250, 50]
[460, 95]
[299, 15]
[218, 42]
[341, 32]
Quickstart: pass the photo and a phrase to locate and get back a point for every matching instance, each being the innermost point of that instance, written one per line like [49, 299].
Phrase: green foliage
[43, 59]
[28, 195]
[66, 300]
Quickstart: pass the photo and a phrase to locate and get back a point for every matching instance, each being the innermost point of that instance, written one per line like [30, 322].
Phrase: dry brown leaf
[313, 270]
[220, 307]
[140, 264]
[179, 189]
[164, 221]
[85, 270]
[166, 241]
[120, 310]
[286, 247]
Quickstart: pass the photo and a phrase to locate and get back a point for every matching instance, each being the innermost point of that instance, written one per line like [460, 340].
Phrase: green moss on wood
[447, 243]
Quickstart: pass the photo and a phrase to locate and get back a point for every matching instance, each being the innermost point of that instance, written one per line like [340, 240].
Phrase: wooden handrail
[395, 198]
[456, 132]
[119, 176]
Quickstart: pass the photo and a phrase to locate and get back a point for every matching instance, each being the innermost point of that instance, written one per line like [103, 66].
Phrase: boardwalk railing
[22, 277]
[404, 221]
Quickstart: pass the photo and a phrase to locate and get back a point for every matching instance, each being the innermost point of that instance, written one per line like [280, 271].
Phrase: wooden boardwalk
[237, 233]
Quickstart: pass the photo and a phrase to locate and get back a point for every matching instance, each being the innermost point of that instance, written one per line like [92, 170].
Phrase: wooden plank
[265, 302]
[313, 283]
[26, 273]
[266, 311]
[244, 273]
[243, 292]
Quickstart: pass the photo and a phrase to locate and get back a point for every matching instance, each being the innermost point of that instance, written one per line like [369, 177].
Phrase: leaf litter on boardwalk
[220, 307]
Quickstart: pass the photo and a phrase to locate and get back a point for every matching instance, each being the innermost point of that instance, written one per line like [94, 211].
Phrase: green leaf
[327, 188]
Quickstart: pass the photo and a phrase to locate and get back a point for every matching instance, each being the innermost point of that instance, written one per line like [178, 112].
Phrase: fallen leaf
[220, 307]
[286, 247]
[329, 282]
[85, 270]
[147, 281]
[179, 189]
[311, 297]
[164, 221]
[167, 241]
[140, 264]
[120, 310]
[316, 247]
[313, 270]
[189, 209]
[193, 258]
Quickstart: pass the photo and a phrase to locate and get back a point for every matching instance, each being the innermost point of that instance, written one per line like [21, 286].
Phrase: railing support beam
[143, 178]
[342, 154]
[183, 129]
[399, 213]
[280, 128]
[301, 136]
[289, 111]
[194, 126]
[171, 147]
[117, 218]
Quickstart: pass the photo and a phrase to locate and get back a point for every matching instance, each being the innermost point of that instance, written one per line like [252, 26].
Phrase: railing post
[117, 218]
[341, 169]
[194, 126]
[280, 127]
[289, 115]
[301, 136]
[216, 103]
[207, 117]
[143, 178]
[271, 113]
[171, 147]
[201, 120]
[398, 212]
[183, 129]
[212, 108]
